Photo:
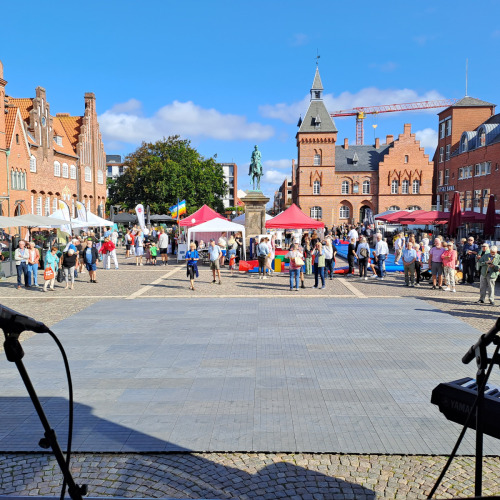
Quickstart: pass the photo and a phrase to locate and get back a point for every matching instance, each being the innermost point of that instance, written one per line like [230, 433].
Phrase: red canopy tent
[293, 218]
[432, 217]
[409, 218]
[394, 217]
[204, 214]
[470, 216]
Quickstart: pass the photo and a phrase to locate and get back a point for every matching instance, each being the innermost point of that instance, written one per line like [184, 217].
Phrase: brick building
[283, 196]
[467, 157]
[230, 171]
[45, 158]
[341, 183]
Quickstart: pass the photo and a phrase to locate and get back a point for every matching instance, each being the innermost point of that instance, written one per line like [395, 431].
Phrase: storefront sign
[443, 189]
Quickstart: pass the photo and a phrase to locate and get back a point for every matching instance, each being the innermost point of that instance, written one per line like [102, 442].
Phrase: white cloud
[370, 96]
[125, 123]
[274, 177]
[299, 39]
[386, 67]
[428, 138]
[278, 164]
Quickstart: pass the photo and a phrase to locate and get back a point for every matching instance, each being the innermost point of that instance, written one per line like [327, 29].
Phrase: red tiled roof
[25, 105]
[72, 126]
[10, 121]
[67, 146]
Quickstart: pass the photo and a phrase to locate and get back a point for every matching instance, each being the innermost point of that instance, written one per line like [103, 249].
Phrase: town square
[245, 266]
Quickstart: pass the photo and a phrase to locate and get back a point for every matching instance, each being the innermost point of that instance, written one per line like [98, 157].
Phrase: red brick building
[467, 157]
[46, 158]
[342, 183]
[283, 196]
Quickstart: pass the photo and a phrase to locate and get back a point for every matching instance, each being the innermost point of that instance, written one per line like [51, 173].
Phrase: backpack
[363, 252]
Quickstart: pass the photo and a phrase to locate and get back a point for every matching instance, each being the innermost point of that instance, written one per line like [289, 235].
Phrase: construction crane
[360, 113]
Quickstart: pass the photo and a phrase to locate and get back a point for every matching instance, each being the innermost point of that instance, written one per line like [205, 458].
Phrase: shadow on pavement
[184, 473]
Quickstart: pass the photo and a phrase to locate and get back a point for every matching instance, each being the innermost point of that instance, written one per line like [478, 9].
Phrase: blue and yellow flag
[178, 209]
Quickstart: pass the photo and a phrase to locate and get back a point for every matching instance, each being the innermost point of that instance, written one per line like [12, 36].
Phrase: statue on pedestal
[256, 171]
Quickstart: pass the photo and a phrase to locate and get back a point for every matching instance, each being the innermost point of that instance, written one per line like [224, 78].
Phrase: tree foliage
[160, 173]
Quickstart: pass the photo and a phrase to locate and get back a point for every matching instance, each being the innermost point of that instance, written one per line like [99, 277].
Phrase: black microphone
[12, 322]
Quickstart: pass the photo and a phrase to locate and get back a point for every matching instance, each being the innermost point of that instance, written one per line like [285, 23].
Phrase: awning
[293, 218]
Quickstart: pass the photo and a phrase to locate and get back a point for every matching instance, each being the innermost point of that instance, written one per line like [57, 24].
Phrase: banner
[81, 212]
[63, 207]
[139, 210]
[178, 209]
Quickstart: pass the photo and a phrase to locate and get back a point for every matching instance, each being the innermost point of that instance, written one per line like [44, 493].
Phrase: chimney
[62, 114]
[377, 143]
[407, 129]
[346, 143]
[389, 139]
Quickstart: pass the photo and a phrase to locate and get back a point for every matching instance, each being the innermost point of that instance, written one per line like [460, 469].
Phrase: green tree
[159, 173]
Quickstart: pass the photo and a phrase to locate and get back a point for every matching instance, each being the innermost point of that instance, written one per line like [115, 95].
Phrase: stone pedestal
[255, 214]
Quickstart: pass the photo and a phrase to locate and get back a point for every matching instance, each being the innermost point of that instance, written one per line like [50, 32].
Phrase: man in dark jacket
[90, 256]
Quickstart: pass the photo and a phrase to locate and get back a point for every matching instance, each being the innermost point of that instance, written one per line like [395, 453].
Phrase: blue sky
[232, 74]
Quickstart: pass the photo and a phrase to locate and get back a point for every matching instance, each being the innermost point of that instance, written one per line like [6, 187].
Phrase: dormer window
[355, 159]
[482, 137]
[58, 140]
[464, 143]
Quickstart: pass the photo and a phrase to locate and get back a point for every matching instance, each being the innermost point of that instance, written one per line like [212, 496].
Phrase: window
[477, 198]
[13, 179]
[468, 171]
[88, 174]
[65, 170]
[446, 177]
[394, 187]
[486, 168]
[481, 141]
[315, 187]
[100, 179]
[405, 187]
[460, 173]
[54, 204]
[464, 144]
[416, 186]
[23, 180]
[468, 200]
[448, 127]
[477, 169]
[57, 169]
[394, 208]
[440, 177]
[441, 154]
[486, 196]
[39, 206]
[414, 207]
[316, 212]
[58, 140]
[47, 206]
[32, 164]
[72, 172]
[345, 187]
[344, 212]
[366, 187]
[317, 159]
[17, 138]
[441, 130]
[446, 201]
[406, 158]
[448, 151]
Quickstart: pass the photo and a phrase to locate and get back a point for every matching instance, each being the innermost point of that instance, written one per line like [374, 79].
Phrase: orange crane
[360, 113]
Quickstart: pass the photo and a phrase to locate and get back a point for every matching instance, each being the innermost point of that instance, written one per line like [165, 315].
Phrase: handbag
[299, 261]
[60, 275]
[48, 274]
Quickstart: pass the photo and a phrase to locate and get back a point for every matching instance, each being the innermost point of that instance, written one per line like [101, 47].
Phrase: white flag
[82, 214]
[139, 210]
[63, 206]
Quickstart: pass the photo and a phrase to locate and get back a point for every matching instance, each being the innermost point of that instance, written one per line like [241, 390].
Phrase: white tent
[217, 226]
[58, 214]
[241, 218]
[94, 220]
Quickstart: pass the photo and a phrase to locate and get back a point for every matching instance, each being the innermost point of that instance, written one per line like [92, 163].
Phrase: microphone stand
[15, 353]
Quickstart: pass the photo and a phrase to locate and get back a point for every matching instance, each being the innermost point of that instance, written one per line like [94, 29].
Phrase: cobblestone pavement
[265, 476]
[249, 476]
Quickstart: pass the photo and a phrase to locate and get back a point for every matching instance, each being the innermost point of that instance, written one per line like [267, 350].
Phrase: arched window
[394, 187]
[100, 178]
[481, 141]
[23, 180]
[39, 206]
[317, 159]
[57, 169]
[315, 186]
[366, 187]
[47, 206]
[345, 187]
[316, 212]
[344, 212]
[13, 179]
[32, 163]
[394, 208]
[19, 180]
[406, 158]
[88, 174]
[414, 207]
[72, 172]
[416, 186]
[65, 170]
[54, 204]
[464, 143]
[405, 187]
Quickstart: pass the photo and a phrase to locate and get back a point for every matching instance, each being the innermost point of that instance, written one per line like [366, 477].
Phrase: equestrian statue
[256, 171]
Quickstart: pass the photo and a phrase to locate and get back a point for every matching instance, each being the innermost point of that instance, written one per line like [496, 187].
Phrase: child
[147, 253]
[154, 252]
[232, 263]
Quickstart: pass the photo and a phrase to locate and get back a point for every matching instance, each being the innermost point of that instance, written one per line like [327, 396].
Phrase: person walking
[90, 256]
[381, 253]
[363, 254]
[21, 256]
[398, 247]
[139, 248]
[128, 243]
[319, 265]
[222, 243]
[489, 265]
[192, 257]
[469, 252]
[449, 259]
[351, 255]
[69, 262]
[262, 253]
[33, 263]
[52, 262]
[418, 264]
[163, 246]
[214, 253]
[409, 256]
[307, 251]
[329, 257]
[436, 264]
[296, 263]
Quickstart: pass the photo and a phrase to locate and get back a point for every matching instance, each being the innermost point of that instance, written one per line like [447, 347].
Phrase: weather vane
[317, 57]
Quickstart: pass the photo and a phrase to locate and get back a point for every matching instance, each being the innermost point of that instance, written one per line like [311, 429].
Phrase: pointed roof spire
[317, 85]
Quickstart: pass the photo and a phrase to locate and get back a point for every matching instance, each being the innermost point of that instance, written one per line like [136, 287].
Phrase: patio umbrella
[490, 221]
[455, 215]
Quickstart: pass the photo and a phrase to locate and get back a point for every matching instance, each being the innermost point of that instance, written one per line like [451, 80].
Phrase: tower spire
[317, 87]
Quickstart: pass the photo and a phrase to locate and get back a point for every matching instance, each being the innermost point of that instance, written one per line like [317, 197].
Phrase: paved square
[256, 374]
